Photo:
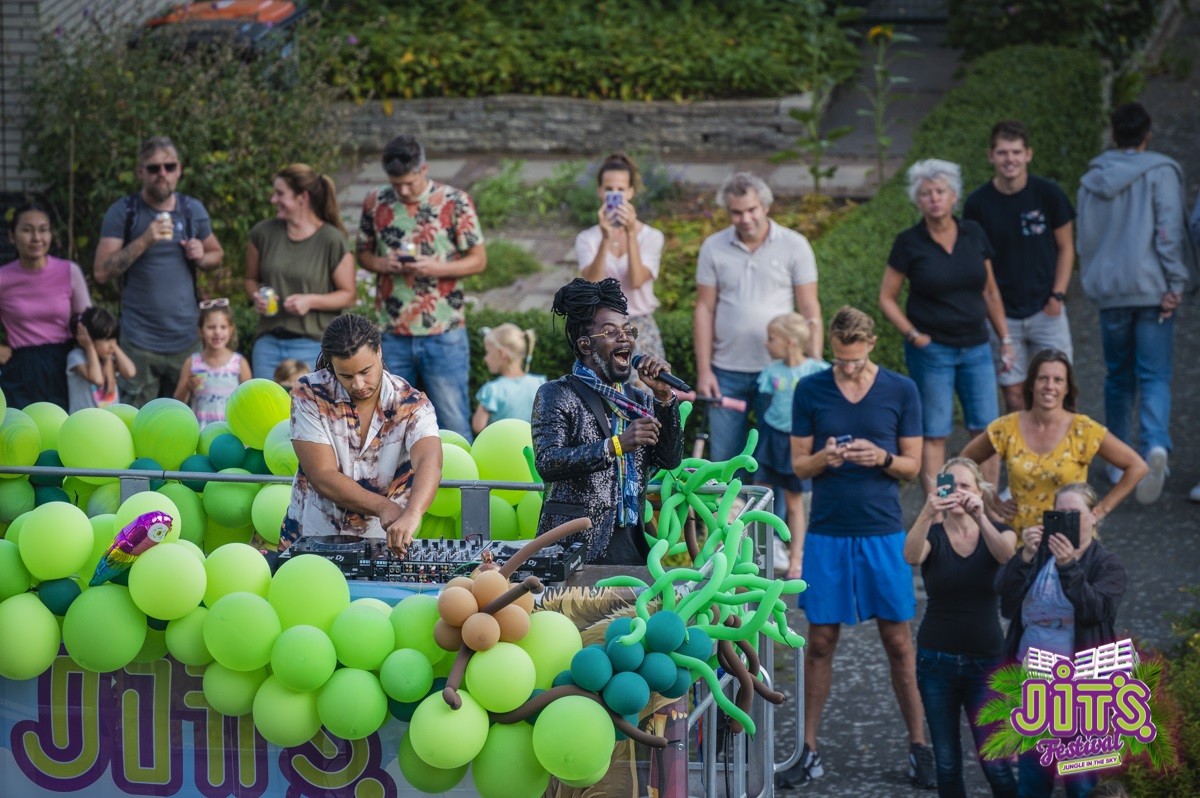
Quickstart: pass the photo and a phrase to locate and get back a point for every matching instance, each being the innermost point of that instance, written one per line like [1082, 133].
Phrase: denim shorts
[940, 373]
[856, 578]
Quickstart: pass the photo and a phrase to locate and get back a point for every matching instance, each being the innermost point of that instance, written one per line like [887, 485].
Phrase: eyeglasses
[858, 361]
[155, 168]
[614, 333]
[205, 304]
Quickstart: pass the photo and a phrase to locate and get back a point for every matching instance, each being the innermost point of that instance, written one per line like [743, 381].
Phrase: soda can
[271, 298]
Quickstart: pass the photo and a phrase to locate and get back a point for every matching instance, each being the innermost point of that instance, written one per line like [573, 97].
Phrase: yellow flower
[880, 32]
[407, 58]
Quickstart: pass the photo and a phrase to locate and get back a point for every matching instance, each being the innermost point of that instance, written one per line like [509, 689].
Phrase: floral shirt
[322, 412]
[443, 225]
[1034, 478]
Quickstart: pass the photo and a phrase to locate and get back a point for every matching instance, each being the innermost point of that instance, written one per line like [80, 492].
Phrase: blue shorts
[856, 578]
[940, 372]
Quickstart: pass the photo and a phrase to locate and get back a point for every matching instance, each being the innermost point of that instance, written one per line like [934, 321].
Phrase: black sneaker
[806, 769]
[921, 768]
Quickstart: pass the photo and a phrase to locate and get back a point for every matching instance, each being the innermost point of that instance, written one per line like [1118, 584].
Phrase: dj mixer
[433, 561]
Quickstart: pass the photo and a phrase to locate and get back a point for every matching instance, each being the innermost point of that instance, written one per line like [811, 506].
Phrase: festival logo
[1079, 716]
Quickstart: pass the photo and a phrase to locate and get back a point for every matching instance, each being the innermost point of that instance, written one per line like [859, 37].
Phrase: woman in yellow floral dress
[1048, 445]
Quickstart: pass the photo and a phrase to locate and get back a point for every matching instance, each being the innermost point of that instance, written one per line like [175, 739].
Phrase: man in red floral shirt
[421, 237]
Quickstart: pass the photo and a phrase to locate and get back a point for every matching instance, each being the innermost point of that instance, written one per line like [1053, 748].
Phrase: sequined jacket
[570, 449]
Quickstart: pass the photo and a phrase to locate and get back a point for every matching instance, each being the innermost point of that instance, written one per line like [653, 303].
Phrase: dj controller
[433, 561]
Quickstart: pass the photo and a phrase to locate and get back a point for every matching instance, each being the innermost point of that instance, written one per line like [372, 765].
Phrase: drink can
[271, 298]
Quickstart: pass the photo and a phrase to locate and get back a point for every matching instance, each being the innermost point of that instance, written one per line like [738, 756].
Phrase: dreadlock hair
[344, 336]
[578, 302]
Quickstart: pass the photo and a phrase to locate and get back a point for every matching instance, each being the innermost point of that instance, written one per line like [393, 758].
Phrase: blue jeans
[949, 684]
[437, 365]
[1137, 354]
[269, 351]
[1035, 781]
[942, 371]
[728, 428]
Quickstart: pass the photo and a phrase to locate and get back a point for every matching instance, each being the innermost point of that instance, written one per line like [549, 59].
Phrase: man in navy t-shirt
[856, 431]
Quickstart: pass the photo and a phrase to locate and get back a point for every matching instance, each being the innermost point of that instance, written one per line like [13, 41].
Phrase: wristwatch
[887, 462]
[1059, 295]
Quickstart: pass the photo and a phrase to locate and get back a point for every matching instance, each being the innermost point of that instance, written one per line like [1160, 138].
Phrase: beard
[609, 371]
[159, 191]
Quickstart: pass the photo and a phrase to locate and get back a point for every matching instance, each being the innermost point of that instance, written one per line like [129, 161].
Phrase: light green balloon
[14, 576]
[149, 501]
[192, 518]
[551, 643]
[20, 441]
[501, 678]
[424, 776]
[209, 434]
[279, 452]
[127, 413]
[309, 590]
[29, 637]
[48, 417]
[413, 620]
[236, 568]
[232, 692]
[268, 510]
[185, 638]
[507, 767]
[303, 658]
[155, 647]
[78, 491]
[103, 533]
[351, 704]
[3, 404]
[498, 452]
[406, 675]
[240, 630]
[105, 499]
[13, 533]
[449, 738]
[230, 503]
[283, 716]
[95, 438]
[456, 464]
[377, 604]
[254, 408]
[363, 637]
[103, 629]
[56, 541]
[167, 430]
[192, 548]
[216, 535]
[167, 581]
[454, 438]
[529, 512]
[573, 737]
[17, 497]
[502, 518]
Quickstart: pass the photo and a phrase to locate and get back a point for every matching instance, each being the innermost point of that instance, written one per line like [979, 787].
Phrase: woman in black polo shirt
[952, 295]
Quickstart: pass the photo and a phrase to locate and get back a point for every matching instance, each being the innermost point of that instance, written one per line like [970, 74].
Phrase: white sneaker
[1194, 496]
[783, 557]
[1150, 488]
[1113, 473]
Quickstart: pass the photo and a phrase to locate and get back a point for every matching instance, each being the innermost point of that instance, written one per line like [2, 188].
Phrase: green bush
[619, 49]
[93, 99]
[506, 262]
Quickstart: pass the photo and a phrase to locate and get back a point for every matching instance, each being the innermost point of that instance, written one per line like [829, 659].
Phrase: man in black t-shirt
[1028, 221]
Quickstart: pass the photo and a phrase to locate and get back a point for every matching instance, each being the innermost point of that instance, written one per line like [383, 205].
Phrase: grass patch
[506, 262]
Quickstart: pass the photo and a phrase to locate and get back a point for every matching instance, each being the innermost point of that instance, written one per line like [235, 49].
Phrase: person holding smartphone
[1061, 598]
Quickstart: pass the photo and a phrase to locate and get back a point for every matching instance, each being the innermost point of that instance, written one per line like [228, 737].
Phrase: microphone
[669, 379]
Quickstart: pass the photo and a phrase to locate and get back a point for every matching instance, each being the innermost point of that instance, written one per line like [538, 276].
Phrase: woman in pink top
[624, 248]
[39, 294]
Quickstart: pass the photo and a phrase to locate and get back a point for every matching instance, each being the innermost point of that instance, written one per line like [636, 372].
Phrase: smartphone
[1062, 522]
[842, 440]
[613, 200]
[406, 259]
[945, 485]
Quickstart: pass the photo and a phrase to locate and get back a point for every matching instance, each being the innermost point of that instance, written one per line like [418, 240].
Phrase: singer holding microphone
[597, 439]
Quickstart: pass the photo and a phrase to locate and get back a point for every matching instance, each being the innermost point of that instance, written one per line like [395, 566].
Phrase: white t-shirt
[642, 301]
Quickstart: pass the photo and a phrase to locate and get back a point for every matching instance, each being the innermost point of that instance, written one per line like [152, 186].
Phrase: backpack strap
[184, 206]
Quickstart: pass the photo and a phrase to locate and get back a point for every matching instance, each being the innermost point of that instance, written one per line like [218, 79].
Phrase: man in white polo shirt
[747, 275]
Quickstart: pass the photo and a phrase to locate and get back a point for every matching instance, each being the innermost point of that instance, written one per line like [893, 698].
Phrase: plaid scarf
[624, 409]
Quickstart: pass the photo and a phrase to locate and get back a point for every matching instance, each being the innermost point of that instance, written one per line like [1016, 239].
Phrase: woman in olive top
[302, 255]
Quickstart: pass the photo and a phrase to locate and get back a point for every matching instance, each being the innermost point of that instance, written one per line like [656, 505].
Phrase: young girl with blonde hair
[507, 352]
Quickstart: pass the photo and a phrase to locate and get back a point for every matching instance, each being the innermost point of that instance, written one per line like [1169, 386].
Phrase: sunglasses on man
[157, 168]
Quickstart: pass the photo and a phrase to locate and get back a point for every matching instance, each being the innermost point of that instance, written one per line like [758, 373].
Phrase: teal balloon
[406, 675]
[507, 767]
[29, 637]
[284, 717]
[149, 464]
[17, 497]
[311, 590]
[363, 637]
[352, 705]
[255, 463]
[230, 503]
[658, 670]
[698, 644]
[232, 692]
[456, 465]
[665, 632]
[498, 453]
[449, 738]
[626, 693]
[268, 510]
[103, 629]
[423, 776]
[240, 630]
[503, 519]
[303, 658]
[683, 683]
[48, 417]
[591, 668]
[105, 499]
[226, 451]
[44, 494]
[403, 711]
[529, 512]
[192, 518]
[198, 463]
[48, 459]
[166, 430]
[95, 438]
[58, 594]
[14, 576]
[574, 738]
[625, 658]
[20, 441]
[209, 434]
[618, 627]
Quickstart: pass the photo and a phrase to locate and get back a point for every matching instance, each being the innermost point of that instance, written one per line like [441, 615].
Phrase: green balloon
[363, 637]
[20, 441]
[283, 716]
[103, 532]
[232, 692]
[226, 451]
[240, 630]
[17, 497]
[236, 568]
[379, 605]
[29, 637]
[268, 510]
[13, 532]
[498, 452]
[210, 433]
[503, 519]
[14, 576]
[192, 548]
[127, 413]
[254, 408]
[166, 430]
[279, 452]
[48, 459]
[579, 784]
[78, 490]
[501, 678]
[551, 643]
[57, 594]
[104, 630]
[105, 499]
[148, 464]
[229, 503]
[507, 767]
[198, 463]
[303, 658]
[573, 737]
[406, 675]
[351, 704]
[167, 581]
[3, 404]
[413, 620]
[423, 776]
[192, 518]
[449, 738]
[456, 464]
[529, 512]
[149, 501]
[48, 417]
[95, 438]
[255, 463]
[454, 438]
[56, 541]
[155, 647]
[216, 535]
[185, 638]
[310, 590]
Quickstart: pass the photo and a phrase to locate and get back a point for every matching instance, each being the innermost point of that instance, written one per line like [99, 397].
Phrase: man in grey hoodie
[1136, 260]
